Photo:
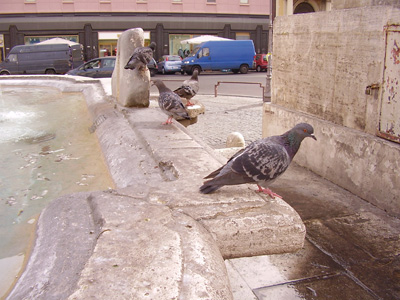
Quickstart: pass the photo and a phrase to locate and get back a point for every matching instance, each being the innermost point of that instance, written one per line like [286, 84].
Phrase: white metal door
[389, 121]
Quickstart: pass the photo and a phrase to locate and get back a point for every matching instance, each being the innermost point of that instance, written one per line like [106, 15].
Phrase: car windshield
[174, 58]
[109, 63]
[193, 53]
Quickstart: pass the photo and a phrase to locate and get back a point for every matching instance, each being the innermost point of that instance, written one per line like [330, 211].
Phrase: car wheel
[152, 72]
[258, 69]
[244, 69]
[4, 73]
[50, 72]
[198, 68]
[163, 71]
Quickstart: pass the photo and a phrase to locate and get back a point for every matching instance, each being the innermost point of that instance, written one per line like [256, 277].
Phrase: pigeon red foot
[169, 121]
[268, 192]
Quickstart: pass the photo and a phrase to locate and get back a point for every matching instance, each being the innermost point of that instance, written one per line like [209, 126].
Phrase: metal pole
[267, 97]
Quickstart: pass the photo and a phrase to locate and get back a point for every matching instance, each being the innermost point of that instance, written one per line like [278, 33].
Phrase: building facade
[96, 24]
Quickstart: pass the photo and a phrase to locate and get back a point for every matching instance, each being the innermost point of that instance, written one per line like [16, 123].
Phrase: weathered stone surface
[65, 238]
[130, 87]
[322, 67]
[324, 62]
[147, 251]
[242, 222]
[364, 164]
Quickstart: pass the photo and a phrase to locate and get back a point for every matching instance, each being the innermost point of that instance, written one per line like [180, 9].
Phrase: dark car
[41, 59]
[103, 67]
[96, 68]
[153, 68]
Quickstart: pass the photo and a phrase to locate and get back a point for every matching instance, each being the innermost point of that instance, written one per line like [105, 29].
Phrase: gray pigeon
[141, 57]
[189, 88]
[261, 162]
[170, 103]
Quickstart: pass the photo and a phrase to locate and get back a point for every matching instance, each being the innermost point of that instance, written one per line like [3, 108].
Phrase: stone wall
[324, 61]
[344, 4]
[322, 64]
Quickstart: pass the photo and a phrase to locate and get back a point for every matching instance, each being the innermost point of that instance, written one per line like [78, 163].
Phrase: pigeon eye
[305, 130]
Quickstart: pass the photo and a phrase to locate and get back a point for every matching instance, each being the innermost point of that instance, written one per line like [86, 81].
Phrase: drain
[100, 119]
[168, 169]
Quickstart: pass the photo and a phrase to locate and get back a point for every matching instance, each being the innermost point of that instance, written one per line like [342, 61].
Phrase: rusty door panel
[389, 120]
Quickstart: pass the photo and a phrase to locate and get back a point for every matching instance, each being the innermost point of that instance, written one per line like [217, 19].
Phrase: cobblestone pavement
[226, 114]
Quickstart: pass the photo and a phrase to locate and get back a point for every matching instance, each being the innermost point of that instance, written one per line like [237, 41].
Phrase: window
[12, 58]
[30, 1]
[204, 52]
[243, 36]
[244, 1]
[176, 1]
[211, 1]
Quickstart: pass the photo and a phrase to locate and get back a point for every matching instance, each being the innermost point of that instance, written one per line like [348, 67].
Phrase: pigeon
[262, 162]
[189, 88]
[170, 103]
[141, 57]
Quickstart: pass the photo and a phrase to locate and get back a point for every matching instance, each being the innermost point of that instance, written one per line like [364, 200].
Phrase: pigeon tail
[208, 187]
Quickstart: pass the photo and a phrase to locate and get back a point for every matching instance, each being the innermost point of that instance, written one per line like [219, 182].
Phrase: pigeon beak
[313, 136]
[151, 82]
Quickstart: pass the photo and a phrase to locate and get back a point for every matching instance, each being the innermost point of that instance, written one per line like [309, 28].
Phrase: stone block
[235, 139]
[131, 88]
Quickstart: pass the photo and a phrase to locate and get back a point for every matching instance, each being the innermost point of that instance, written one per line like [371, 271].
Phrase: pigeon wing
[140, 58]
[216, 172]
[263, 161]
[188, 89]
[172, 105]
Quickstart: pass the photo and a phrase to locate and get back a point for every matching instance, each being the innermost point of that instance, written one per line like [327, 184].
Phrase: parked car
[41, 59]
[169, 64]
[260, 62]
[153, 68]
[221, 55]
[103, 67]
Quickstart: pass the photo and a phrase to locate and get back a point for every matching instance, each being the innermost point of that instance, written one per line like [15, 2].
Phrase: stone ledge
[243, 222]
[157, 170]
[121, 247]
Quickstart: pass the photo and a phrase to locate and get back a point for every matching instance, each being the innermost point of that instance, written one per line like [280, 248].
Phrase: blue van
[42, 59]
[221, 55]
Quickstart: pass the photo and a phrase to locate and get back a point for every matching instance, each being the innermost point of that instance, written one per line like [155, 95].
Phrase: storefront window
[242, 35]
[107, 48]
[30, 40]
[175, 46]
[2, 48]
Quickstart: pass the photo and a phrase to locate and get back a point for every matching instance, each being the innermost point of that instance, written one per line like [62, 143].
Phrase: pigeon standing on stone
[170, 103]
[189, 88]
[261, 162]
[141, 57]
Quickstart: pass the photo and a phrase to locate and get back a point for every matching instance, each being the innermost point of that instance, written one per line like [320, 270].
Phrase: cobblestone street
[228, 114]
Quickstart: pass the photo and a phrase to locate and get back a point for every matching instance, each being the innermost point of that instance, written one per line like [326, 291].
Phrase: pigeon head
[293, 138]
[303, 130]
[195, 74]
[152, 46]
[160, 85]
